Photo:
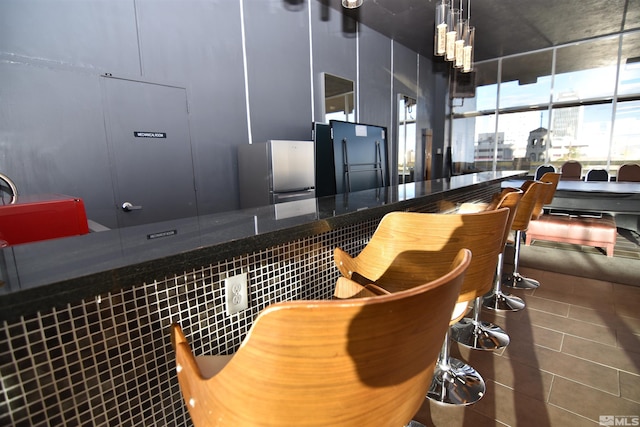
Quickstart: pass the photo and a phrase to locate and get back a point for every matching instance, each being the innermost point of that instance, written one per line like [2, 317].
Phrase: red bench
[600, 232]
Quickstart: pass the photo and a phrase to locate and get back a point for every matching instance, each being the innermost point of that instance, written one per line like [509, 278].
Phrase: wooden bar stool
[553, 178]
[359, 362]
[401, 254]
[471, 331]
[545, 197]
[497, 299]
[520, 224]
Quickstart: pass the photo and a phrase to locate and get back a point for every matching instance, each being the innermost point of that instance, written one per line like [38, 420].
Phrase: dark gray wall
[252, 71]
[333, 51]
[375, 79]
[198, 45]
[279, 79]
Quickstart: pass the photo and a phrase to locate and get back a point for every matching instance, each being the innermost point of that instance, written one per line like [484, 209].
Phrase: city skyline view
[591, 115]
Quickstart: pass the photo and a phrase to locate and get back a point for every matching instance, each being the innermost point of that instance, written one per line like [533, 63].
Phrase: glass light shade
[441, 17]
[352, 4]
[461, 35]
[452, 24]
[467, 64]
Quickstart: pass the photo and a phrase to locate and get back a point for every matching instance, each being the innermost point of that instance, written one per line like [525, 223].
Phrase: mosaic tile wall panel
[108, 361]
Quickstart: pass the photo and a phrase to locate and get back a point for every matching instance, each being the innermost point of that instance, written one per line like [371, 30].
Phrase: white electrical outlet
[236, 293]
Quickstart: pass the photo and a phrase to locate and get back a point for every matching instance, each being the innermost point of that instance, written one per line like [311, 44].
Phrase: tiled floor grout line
[548, 398]
[574, 413]
[592, 318]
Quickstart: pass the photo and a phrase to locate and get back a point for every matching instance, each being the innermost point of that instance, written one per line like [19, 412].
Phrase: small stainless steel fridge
[276, 171]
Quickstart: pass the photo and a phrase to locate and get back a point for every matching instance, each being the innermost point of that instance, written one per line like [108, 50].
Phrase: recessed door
[150, 147]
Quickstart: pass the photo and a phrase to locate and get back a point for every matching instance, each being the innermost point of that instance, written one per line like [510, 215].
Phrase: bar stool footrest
[479, 336]
[517, 281]
[503, 302]
[460, 384]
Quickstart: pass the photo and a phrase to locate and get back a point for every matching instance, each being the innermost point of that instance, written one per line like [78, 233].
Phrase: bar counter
[84, 336]
[46, 274]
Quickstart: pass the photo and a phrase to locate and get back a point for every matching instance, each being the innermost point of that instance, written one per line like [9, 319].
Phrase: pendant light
[454, 37]
[467, 60]
[351, 4]
[469, 42]
[452, 26]
[441, 19]
[461, 27]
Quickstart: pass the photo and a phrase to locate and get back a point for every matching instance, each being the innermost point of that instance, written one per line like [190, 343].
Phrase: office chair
[629, 172]
[542, 169]
[571, 171]
[597, 175]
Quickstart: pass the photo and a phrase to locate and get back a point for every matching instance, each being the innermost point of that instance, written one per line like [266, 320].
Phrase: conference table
[593, 196]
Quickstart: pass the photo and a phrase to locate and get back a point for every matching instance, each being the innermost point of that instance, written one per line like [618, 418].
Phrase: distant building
[485, 146]
[567, 123]
[537, 144]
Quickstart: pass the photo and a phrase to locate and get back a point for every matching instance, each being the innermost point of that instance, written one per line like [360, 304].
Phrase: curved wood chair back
[532, 196]
[358, 362]
[496, 201]
[510, 198]
[507, 198]
[571, 170]
[629, 172]
[546, 194]
[538, 208]
[409, 248]
[553, 178]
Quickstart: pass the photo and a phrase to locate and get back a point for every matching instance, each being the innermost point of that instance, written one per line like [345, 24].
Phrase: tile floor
[574, 357]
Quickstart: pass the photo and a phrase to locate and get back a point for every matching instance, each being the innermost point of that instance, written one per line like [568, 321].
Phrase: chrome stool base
[456, 384]
[517, 281]
[479, 335]
[500, 301]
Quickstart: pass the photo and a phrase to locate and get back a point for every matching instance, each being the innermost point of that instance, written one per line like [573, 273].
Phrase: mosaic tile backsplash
[108, 361]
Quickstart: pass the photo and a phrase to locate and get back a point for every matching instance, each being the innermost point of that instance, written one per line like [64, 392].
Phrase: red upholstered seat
[598, 232]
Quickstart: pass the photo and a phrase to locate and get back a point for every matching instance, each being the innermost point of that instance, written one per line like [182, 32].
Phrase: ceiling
[508, 27]
[503, 27]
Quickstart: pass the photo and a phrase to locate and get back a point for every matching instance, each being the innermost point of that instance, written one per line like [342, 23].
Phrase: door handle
[128, 207]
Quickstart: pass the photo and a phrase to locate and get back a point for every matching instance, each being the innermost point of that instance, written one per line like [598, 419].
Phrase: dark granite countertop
[41, 275]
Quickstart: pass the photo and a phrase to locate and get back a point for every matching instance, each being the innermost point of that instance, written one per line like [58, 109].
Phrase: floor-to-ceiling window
[406, 139]
[574, 102]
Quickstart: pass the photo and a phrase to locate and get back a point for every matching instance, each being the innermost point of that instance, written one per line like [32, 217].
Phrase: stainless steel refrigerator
[276, 171]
